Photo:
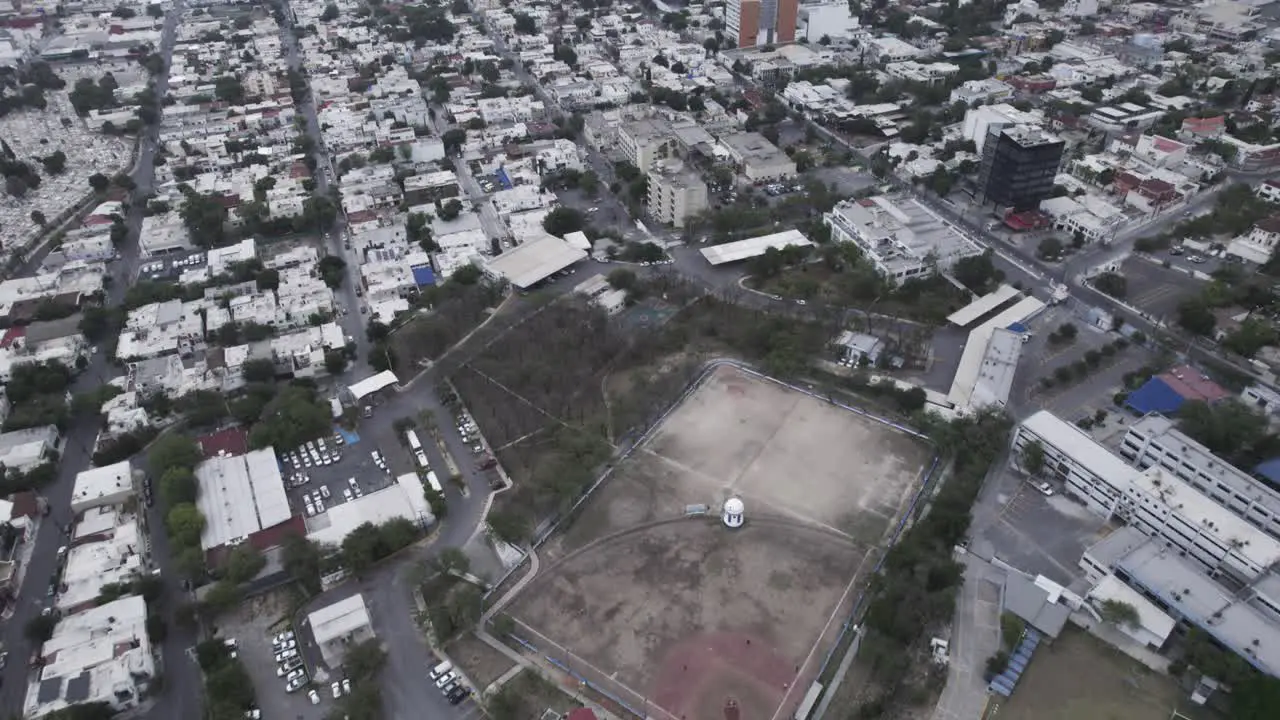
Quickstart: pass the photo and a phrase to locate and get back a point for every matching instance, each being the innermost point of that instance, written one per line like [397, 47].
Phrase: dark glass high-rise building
[1019, 163]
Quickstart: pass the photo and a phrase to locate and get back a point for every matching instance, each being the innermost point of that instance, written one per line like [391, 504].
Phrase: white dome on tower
[733, 514]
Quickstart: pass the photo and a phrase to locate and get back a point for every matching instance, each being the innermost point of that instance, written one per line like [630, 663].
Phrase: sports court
[678, 616]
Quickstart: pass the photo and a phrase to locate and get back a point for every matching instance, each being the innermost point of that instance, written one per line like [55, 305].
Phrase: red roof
[1271, 224]
[1209, 124]
[1164, 144]
[231, 442]
[582, 713]
[98, 220]
[12, 335]
[1191, 384]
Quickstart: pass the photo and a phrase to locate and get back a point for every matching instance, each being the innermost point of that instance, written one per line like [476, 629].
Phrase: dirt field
[684, 614]
[481, 663]
[1080, 678]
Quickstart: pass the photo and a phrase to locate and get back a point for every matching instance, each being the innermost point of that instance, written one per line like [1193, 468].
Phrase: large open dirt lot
[683, 615]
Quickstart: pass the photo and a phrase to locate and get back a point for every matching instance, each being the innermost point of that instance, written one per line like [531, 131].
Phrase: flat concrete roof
[752, 247]
[339, 619]
[535, 260]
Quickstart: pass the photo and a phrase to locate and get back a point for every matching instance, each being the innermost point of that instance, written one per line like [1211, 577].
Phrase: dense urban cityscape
[741, 359]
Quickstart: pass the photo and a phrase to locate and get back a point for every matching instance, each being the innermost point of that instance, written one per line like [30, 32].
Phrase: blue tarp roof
[1155, 396]
[1018, 327]
[503, 178]
[1269, 469]
[424, 276]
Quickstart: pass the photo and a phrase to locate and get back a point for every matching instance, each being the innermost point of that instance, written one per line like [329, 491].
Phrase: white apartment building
[100, 655]
[643, 141]
[979, 121]
[925, 73]
[1155, 441]
[676, 193]
[1088, 470]
[102, 486]
[509, 110]
[106, 549]
[1155, 500]
[900, 236]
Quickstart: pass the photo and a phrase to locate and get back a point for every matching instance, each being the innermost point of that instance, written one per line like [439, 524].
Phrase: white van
[440, 670]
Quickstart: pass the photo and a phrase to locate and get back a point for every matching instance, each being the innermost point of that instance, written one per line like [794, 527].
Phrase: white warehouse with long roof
[239, 496]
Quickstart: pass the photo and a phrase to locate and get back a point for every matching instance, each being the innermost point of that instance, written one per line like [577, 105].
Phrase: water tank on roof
[733, 514]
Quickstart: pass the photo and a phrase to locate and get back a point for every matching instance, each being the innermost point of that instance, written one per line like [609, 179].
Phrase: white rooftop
[535, 260]
[339, 620]
[239, 496]
[401, 500]
[983, 305]
[751, 247]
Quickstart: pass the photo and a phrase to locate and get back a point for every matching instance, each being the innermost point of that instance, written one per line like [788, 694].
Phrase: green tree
[99, 182]
[243, 564]
[222, 596]
[1113, 284]
[508, 526]
[1032, 458]
[453, 559]
[39, 628]
[259, 370]
[332, 270]
[178, 486]
[364, 661]
[1226, 427]
[1118, 612]
[1197, 317]
[562, 220]
[185, 524]
[335, 361]
[171, 451]
[301, 559]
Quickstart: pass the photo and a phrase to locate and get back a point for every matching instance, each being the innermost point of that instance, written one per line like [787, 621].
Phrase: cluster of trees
[459, 306]
[1064, 334]
[978, 273]
[25, 88]
[37, 395]
[1229, 288]
[172, 463]
[1085, 366]
[19, 176]
[1230, 429]
[227, 685]
[1111, 283]
[916, 592]
[363, 664]
[88, 95]
[369, 543]
[563, 220]
[297, 414]
[1254, 696]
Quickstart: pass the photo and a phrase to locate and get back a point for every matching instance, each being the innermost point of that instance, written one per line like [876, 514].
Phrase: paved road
[181, 698]
[334, 239]
[387, 591]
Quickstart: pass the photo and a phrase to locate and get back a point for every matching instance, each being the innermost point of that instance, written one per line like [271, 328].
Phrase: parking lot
[254, 626]
[344, 471]
[1038, 534]
[1158, 290]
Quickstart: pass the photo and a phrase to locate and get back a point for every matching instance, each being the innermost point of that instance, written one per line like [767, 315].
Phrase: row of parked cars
[315, 453]
[448, 682]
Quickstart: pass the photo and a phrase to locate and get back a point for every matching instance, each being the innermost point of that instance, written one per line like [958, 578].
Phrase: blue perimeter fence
[566, 669]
